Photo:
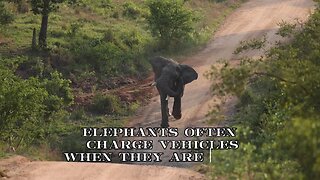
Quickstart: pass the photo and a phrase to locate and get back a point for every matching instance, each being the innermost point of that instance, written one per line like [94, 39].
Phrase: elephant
[170, 78]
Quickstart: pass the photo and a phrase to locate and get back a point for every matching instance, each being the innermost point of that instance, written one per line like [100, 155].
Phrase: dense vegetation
[60, 60]
[278, 114]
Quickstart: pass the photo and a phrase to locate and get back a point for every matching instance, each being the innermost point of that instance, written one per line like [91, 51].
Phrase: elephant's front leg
[176, 110]
[164, 111]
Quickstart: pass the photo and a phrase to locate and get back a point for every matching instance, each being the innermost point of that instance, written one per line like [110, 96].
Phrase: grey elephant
[170, 78]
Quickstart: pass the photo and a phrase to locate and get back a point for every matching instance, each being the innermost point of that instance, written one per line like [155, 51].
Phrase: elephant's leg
[176, 111]
[164, 111]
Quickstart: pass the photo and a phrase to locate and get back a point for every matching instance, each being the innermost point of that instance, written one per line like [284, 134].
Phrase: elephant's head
[170, 76]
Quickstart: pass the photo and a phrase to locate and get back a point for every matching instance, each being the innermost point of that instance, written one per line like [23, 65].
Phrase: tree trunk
[44, 24]
[43, 31]
[34, 39]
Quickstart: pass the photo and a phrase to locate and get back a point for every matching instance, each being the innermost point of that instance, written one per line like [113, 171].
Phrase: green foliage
[252, 44]
[106, 104]
[72, 141]
[27, 105]
[45, 6]
[278, 113]
[131, 10]
[302, 133]
[234, 80]
[5, 16]
[170, 21]
[74, 28]
[286, 29]
[22, 108]
[60, 92]
[119, 52]
[64, 133]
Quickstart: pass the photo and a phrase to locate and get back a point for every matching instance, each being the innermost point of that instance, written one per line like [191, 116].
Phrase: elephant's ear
[188, 74]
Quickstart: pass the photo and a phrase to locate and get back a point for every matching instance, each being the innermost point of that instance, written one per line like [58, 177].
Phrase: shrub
[78, 114]
[28, 106]
[21, 109]
[302, 133]
[60, 92]
[170, 21]
[106, 104]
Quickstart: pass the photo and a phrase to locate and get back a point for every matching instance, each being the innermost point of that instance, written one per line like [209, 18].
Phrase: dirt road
[254, 19]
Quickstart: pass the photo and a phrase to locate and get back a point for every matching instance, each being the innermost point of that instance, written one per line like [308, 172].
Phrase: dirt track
[254, 19]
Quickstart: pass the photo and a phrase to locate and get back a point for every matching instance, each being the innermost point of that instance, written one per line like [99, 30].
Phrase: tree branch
[281, 79]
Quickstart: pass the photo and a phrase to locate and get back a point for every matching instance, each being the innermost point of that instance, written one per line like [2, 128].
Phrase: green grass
[3, 151]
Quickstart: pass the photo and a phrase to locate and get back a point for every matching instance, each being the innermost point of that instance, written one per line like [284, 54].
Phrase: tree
[170, 20]
[44, 8]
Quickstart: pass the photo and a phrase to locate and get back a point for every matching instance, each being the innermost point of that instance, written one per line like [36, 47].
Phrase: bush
[302, 133]
[21, 109]
[106, 104]
[170, 21]
[28, 106]
[60, 92]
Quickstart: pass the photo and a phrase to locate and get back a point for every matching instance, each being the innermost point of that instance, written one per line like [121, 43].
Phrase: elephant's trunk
[165, 88]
